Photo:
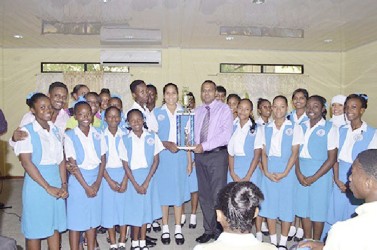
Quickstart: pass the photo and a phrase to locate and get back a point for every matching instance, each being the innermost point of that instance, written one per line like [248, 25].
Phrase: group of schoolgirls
[112, 164]
[300, 161]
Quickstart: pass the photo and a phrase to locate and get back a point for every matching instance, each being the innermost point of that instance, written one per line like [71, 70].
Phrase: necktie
[205, 126]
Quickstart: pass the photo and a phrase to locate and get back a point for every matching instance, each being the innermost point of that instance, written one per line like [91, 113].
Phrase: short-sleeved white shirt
[296, 119]
[303, 138]
[237, 141]
[138, 158]
[91, 159]
[51, 142]
[113, 159]
[277, 138]
[173, 122]
[345, 153]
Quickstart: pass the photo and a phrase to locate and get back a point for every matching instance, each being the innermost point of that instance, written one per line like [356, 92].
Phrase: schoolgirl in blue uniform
[354, 138]
[116, 102]
[279, 154]
[243, 148]
[45, 186]
[318, 148]
[174, 167]
[299, 98]
[85, 150]
[140, 160]
[115, 181]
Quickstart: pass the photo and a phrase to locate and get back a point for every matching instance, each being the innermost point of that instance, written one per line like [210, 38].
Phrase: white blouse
[113, 160]
[237, 141]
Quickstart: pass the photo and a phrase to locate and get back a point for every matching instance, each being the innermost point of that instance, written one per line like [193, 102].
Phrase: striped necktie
[205, 126]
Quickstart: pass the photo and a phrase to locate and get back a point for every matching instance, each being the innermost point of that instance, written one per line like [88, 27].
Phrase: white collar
[286, 122]
[143, 135]
[119, 132]
[37, 127]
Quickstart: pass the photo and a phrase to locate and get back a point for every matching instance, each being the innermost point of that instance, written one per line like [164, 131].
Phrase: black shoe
[204, 238]
[267, 233]
[150, 238]
[150, 243]
[156, 228]
[179, 241]
[291, 237]
[165, 241]
[192, 226]
[297, 239]
[182, 224]
[135, 248]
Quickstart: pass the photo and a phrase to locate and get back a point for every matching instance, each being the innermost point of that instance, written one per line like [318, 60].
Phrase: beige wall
[185, 67]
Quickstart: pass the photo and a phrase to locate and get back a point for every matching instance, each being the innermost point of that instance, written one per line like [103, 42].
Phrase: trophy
[185, 125]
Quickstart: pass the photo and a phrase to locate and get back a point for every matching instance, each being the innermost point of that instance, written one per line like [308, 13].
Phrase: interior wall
[187, 68]
[360, 76]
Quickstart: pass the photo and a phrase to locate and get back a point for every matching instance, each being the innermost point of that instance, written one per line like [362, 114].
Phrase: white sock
[120, 244]
[183, 218]
[273, 239]
[135, 243]
[292, 231]
[148, 225]
[283, 240]
[155, 223]
[143, 243]
[193, 219]
[165, 229]
[264, 227]
[300, 232]
[114, 246]
[259, 236]
[178, 230]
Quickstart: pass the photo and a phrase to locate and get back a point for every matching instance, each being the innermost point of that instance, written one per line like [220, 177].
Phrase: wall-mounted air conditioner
[124, 35]
[131, 58]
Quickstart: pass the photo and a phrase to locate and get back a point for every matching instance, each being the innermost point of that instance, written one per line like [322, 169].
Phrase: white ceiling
[195, 23]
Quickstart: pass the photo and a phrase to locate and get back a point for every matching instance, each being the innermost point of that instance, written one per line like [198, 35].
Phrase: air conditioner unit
[117, 34]
[131, 58]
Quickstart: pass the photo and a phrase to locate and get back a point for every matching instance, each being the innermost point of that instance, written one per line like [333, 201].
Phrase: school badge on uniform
[321, 132]
[358, 137]
[160, 117]
[289, 131]
[97, 135]
[150, 141]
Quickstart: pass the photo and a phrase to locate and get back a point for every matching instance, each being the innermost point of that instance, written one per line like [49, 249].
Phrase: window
[261, 68]
[53, 67]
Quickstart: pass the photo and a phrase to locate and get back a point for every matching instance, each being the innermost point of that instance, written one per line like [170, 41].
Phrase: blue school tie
[205, 126]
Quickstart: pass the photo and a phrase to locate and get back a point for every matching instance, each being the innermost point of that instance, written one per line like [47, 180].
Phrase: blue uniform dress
[171, 175]
[343, 205]
[84, 213]
[113, 203]
[141, 208]
[42, 213]
[293, 118]
[278, 196]
[312, 201]
[243, 159]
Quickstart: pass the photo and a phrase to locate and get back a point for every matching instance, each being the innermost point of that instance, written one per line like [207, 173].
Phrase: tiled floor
[10, 222]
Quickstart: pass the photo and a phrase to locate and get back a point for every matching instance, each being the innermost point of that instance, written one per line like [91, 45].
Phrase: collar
[119, 132]
[37, 127]
[139, 107]
[77, 130]
[246, 126]
[363, 127]
[286, 122]
[143, 135]
[239, 239]
[178, 107]
[370, 207]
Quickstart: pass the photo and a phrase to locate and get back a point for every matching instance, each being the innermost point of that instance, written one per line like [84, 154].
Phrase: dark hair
[151, 86]
[110, 108]
[105, 91]
[238, 202]
[77, 88]
[93, 94]
[140, 113]
[304, 91]
[34, 98]
[192, 95]
[116, 98]
[168, 85]
[322, 100]
[253, 123]
[57, 85]
[362, 97]
[368, 161]
[233, 96]
[210, 81]
[281, 97]
[80, 104]
[221, 89]
[134, 85]
[260, 101]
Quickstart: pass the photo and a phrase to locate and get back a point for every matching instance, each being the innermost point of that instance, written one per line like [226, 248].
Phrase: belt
[215, 150]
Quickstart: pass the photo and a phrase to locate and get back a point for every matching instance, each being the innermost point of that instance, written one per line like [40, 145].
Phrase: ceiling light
[258, 1]
[229, 38]
[328, 41]
[106, 1]
[18, 36]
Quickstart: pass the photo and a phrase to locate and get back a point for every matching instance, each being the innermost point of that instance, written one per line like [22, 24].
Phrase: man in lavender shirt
[212, 135]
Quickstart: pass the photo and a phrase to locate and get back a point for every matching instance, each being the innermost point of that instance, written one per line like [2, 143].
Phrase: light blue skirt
[241, 167]
[113, 203]
[83, 213]
[42, 213]
[278, 196]
[313, 201]
[172, 179]
[142, 208]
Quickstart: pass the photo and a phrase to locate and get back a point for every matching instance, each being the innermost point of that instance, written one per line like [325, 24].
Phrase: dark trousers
[211, 170]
